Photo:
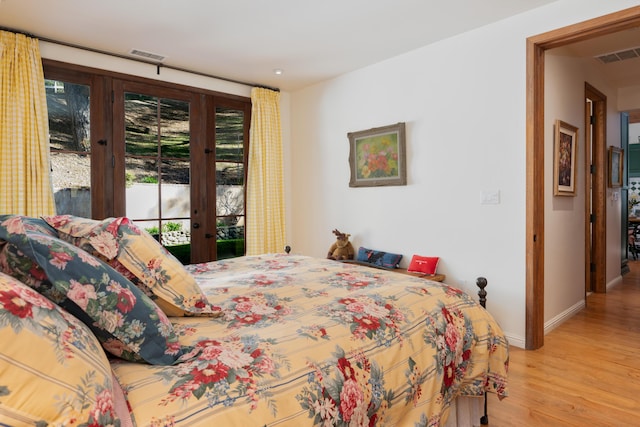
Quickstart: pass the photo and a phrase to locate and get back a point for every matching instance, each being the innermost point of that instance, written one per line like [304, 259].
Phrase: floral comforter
[306, 341]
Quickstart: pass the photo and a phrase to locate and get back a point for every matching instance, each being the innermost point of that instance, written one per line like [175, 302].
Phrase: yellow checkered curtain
[265, 231]
[25, 182]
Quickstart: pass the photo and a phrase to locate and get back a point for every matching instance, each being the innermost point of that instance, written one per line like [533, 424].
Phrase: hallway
[587, 373]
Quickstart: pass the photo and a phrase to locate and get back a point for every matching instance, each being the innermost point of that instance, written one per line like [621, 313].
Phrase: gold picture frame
[616, 166]
[565, 159]
[377, 156]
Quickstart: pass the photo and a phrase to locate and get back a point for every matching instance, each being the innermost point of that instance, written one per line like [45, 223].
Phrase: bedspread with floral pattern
[306, 341]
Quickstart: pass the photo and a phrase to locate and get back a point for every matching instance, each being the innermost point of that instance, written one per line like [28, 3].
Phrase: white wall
[628, 98]
[565, 79]
[564, 216]
[463, 100]
[634, 132]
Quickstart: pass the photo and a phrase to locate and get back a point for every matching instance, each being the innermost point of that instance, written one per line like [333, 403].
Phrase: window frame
[107, 141]
[99, 115]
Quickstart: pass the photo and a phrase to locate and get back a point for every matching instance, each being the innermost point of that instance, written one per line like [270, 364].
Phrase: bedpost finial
[481, 282]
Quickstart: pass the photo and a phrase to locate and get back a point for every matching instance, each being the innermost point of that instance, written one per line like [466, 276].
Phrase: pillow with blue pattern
[126, 321]
[378, 258]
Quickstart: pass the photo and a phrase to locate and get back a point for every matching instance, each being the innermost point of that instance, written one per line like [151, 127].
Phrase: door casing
[535, 207]
[595, 191]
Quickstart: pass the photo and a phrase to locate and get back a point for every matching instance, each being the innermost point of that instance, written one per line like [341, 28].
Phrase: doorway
[535, 206]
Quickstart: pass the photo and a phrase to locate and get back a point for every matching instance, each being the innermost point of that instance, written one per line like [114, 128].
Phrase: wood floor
[587, 373]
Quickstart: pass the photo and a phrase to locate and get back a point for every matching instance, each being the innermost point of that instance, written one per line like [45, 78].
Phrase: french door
[152, 131]
[173, 160]
[180, 158]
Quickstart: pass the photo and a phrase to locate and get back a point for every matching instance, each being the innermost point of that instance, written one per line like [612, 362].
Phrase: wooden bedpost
[481, 282]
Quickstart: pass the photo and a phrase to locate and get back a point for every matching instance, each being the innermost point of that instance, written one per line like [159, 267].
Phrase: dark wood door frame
[588, 179]
[595, 189]
[596, 192]
[535, 207]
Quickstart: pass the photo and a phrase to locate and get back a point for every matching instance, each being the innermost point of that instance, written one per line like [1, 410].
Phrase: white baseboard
[516, 341]
[560, 318]
[520, 342]
[614, 282]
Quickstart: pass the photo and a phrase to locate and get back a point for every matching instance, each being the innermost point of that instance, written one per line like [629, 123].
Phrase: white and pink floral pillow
[52, 369]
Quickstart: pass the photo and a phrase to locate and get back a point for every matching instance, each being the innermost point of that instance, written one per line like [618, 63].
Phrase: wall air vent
[621, 55]
[147, 55]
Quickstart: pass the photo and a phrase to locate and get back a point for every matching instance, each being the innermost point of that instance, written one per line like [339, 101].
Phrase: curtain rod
[157, 64]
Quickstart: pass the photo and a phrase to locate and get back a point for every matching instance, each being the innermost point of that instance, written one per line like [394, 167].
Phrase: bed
[126, 335]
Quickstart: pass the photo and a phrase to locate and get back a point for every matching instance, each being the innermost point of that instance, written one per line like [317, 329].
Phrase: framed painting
[565, 155]
[616, 166]
[377, 156]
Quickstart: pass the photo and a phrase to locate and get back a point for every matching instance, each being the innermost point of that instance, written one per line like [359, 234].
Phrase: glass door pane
[70, 146]
[230, 171]
[157, 171]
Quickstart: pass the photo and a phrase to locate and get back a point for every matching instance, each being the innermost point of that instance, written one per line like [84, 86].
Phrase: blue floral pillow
[37, 225]
[132, 252]
[14, 263]
[124, 319]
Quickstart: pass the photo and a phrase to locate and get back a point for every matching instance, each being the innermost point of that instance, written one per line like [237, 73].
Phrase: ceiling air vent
[621, 55]
[147, 55]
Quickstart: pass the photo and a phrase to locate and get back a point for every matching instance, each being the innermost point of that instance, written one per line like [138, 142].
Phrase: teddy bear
[342, 248]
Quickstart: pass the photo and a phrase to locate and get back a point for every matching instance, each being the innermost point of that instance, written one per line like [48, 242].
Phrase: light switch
[490, 197]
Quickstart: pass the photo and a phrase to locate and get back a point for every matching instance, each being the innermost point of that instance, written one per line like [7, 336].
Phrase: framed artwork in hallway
[565, 154]
[616, 166]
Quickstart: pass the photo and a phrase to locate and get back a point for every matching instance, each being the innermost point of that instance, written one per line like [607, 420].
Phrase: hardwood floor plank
[587, 373]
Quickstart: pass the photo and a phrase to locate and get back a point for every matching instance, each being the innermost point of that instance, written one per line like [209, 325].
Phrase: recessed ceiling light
[278, 71]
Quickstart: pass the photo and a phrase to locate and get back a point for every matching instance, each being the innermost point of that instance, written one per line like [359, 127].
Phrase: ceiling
[246, 40]
[622, 69]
